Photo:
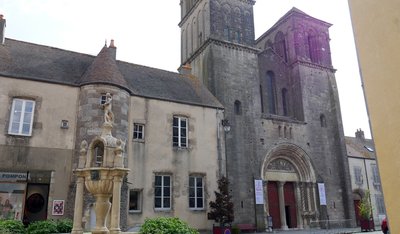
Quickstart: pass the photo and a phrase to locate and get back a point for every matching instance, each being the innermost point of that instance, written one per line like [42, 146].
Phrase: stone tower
[102, 77]
[281, 100]
[218, 42]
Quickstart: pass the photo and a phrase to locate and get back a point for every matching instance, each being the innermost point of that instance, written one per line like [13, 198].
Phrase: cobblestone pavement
[325, 231]
[318, 231]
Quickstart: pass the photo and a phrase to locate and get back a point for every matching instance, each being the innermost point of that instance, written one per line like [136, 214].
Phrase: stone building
[277, 94]
[51, 101]
[365, 175]
[281, 99]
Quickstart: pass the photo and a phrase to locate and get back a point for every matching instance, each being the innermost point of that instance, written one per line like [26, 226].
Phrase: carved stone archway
[288, 167]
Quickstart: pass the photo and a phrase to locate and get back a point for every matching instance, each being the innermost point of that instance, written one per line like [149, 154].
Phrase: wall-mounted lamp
[64, 124]
[226, 125]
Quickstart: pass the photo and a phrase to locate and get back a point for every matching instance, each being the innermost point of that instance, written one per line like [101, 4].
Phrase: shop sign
[13, 176]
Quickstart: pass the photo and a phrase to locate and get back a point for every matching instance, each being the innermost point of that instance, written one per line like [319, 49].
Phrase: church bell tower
[218, 43]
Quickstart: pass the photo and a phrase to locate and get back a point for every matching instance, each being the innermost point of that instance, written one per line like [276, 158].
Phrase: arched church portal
[289, 188]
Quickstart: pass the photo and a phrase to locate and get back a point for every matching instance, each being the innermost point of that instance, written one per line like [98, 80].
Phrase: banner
[259, 191]
[322, 195]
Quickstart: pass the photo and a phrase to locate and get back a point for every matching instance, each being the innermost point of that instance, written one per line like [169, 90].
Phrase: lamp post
[226, 125]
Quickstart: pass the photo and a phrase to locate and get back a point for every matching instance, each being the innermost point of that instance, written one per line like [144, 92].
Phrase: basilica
[264, 112]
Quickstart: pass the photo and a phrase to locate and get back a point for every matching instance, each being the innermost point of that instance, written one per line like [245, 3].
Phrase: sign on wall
[58, 207]
[13, 176]
[259, 191]
[322, 195]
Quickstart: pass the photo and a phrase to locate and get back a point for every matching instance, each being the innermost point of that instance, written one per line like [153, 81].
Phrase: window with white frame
[196, 193]
[103, 99]
[380, 204]
[21, 117]
[375, 174]
[162, 192]
[135, 201]
[358, 175]
[180, 132]
[138, 131]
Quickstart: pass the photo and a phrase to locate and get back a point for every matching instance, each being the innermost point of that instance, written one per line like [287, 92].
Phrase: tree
[365, 207]
[222, 207]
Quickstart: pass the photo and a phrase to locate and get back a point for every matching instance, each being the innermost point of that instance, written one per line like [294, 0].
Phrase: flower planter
[221, 230]
[367, 225]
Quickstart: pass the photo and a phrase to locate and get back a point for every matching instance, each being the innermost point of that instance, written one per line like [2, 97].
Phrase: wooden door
[273, 204]
[290, 205]
[357, 212]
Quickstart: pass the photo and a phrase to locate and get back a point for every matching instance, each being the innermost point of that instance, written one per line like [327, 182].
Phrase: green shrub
[64, 225]
[165, 225]
[42, 227]
[235, 230]
[11, 227]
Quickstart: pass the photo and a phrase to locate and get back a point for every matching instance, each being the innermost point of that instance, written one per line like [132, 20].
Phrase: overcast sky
[147, 33]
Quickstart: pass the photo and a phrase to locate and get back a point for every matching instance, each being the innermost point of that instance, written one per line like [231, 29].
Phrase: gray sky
[147, 33]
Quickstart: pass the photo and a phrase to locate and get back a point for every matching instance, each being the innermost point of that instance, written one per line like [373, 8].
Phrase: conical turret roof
[104, 69]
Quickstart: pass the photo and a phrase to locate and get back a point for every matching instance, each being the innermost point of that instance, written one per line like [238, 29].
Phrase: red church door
[357, 211]
[273, 204]
[290, 205]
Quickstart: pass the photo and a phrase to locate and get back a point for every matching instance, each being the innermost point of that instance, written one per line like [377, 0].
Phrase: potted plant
[222, 208]
[365, 207]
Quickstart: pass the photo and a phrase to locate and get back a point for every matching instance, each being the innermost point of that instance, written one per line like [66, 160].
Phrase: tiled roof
[22, 60]
[357, 147]
[104, 69]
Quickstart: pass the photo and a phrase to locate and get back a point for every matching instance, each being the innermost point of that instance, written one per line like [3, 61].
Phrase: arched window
[284, 102]
[280, 131]
[238, 108]
[271, 89]
[313, 47]
[285, 132]
[98, 154]
[322, 120]
[280, 45]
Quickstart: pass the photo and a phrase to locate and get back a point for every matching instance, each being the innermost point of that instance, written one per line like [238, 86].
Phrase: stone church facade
[281, 99]
[277, 93]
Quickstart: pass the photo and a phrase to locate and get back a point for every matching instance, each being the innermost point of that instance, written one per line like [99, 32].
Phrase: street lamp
[226, 125]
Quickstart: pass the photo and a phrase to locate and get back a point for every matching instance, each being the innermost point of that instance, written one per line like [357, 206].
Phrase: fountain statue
[101, 170]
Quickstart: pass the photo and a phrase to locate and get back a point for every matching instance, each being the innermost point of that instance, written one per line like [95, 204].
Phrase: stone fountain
[101, 170]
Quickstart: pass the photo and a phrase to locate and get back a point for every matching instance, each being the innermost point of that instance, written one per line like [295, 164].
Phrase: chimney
[2, 28]
[185, 69]
[360, 134]
[113, 49]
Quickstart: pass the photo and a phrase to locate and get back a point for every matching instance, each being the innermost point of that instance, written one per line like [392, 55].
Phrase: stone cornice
[279, 118]
[219, 42]
[313, 65]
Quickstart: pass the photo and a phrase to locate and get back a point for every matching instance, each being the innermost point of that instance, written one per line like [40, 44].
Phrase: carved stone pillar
[116, 206]
[298, 205]
[315, 201]
[281, 195]
[78, 211]
[266, 205]
[308, 189]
